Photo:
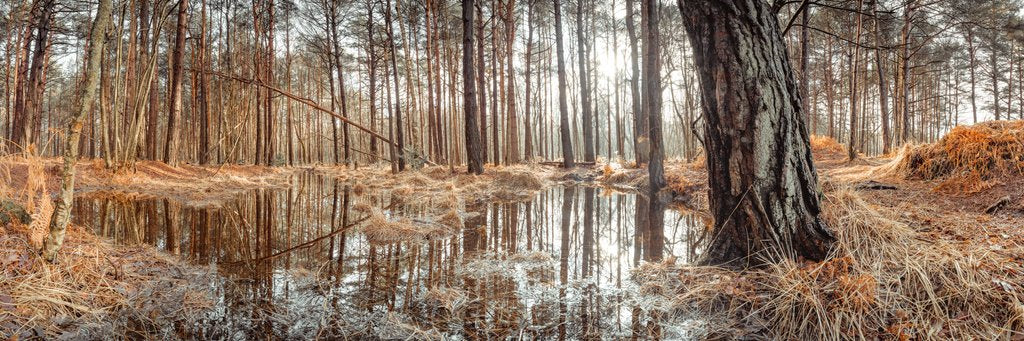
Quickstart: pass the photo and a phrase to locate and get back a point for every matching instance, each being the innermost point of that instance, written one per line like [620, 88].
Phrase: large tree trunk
[652, 87]
[763, 186]
[474, 152]
[62, 210]
[174, 112]
[563, 110]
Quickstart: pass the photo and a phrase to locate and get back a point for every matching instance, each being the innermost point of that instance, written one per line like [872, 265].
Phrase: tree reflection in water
[557, 266]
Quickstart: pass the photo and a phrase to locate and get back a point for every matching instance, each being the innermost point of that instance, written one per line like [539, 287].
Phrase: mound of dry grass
[94, 286]
[93, 283]
[192, 185]
[882, 281]
[380, 229]
[968, 159]
[519, 179]
[824, 146]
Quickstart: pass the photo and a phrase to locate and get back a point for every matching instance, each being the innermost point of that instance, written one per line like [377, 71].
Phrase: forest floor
[920, 254]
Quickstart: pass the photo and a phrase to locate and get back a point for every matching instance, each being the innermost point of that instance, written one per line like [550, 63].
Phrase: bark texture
[474, 152]
[62, 210]
[763, 186]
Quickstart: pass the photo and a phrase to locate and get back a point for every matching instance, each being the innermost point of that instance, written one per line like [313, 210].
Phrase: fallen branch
[308, 102]
[998, 205]
[309, 243]
[874, 185]
[559, 163]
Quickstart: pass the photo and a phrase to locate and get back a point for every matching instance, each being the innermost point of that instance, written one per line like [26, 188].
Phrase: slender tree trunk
[177, 66]
[568, 160]
[204, 90]
[399, 143]
[905, 74]
[474, 154]
[371, 60]
[883, 88]
[805, 91]
[994, 65]
[528, 103]
[588, 125]
[37, 74]
[154, 98]
[481, 79]
[763, 186]
[343, 101]
[652, 87]
[851, 150]
[62, 210]
[511, 121]
[640, 129]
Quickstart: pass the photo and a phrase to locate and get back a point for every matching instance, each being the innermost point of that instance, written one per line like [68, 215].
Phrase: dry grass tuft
[380, 229]
[882, 281]
[92, 281]
[517, 179]
[968, 159]
[824, 146]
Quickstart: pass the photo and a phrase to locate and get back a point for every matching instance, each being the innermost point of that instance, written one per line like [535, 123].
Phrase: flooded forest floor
[528, 251]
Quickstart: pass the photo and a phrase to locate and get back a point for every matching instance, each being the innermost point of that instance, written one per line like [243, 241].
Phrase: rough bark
[474, 154]
[177, 66]
[764, 192]
[652, 87]
[62, 209]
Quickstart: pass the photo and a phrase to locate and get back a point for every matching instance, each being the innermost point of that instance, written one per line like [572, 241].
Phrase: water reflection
[294, 262]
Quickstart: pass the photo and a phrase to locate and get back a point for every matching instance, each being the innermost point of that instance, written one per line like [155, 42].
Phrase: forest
[502, 169]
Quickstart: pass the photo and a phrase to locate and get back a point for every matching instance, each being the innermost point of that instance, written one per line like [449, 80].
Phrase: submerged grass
[882, 281]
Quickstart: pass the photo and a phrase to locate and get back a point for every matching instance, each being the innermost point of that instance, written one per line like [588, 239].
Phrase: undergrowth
[968, 159]
[93, 289]
[881, 281]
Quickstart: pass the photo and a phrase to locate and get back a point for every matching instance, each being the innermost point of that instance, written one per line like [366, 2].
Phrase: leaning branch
[296, 98]
[305, 101]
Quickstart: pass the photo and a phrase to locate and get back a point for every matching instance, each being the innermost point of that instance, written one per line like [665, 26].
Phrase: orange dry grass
[826, 146]
[969, 158]
[193, 185]
[91, 279]
[883, 281]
